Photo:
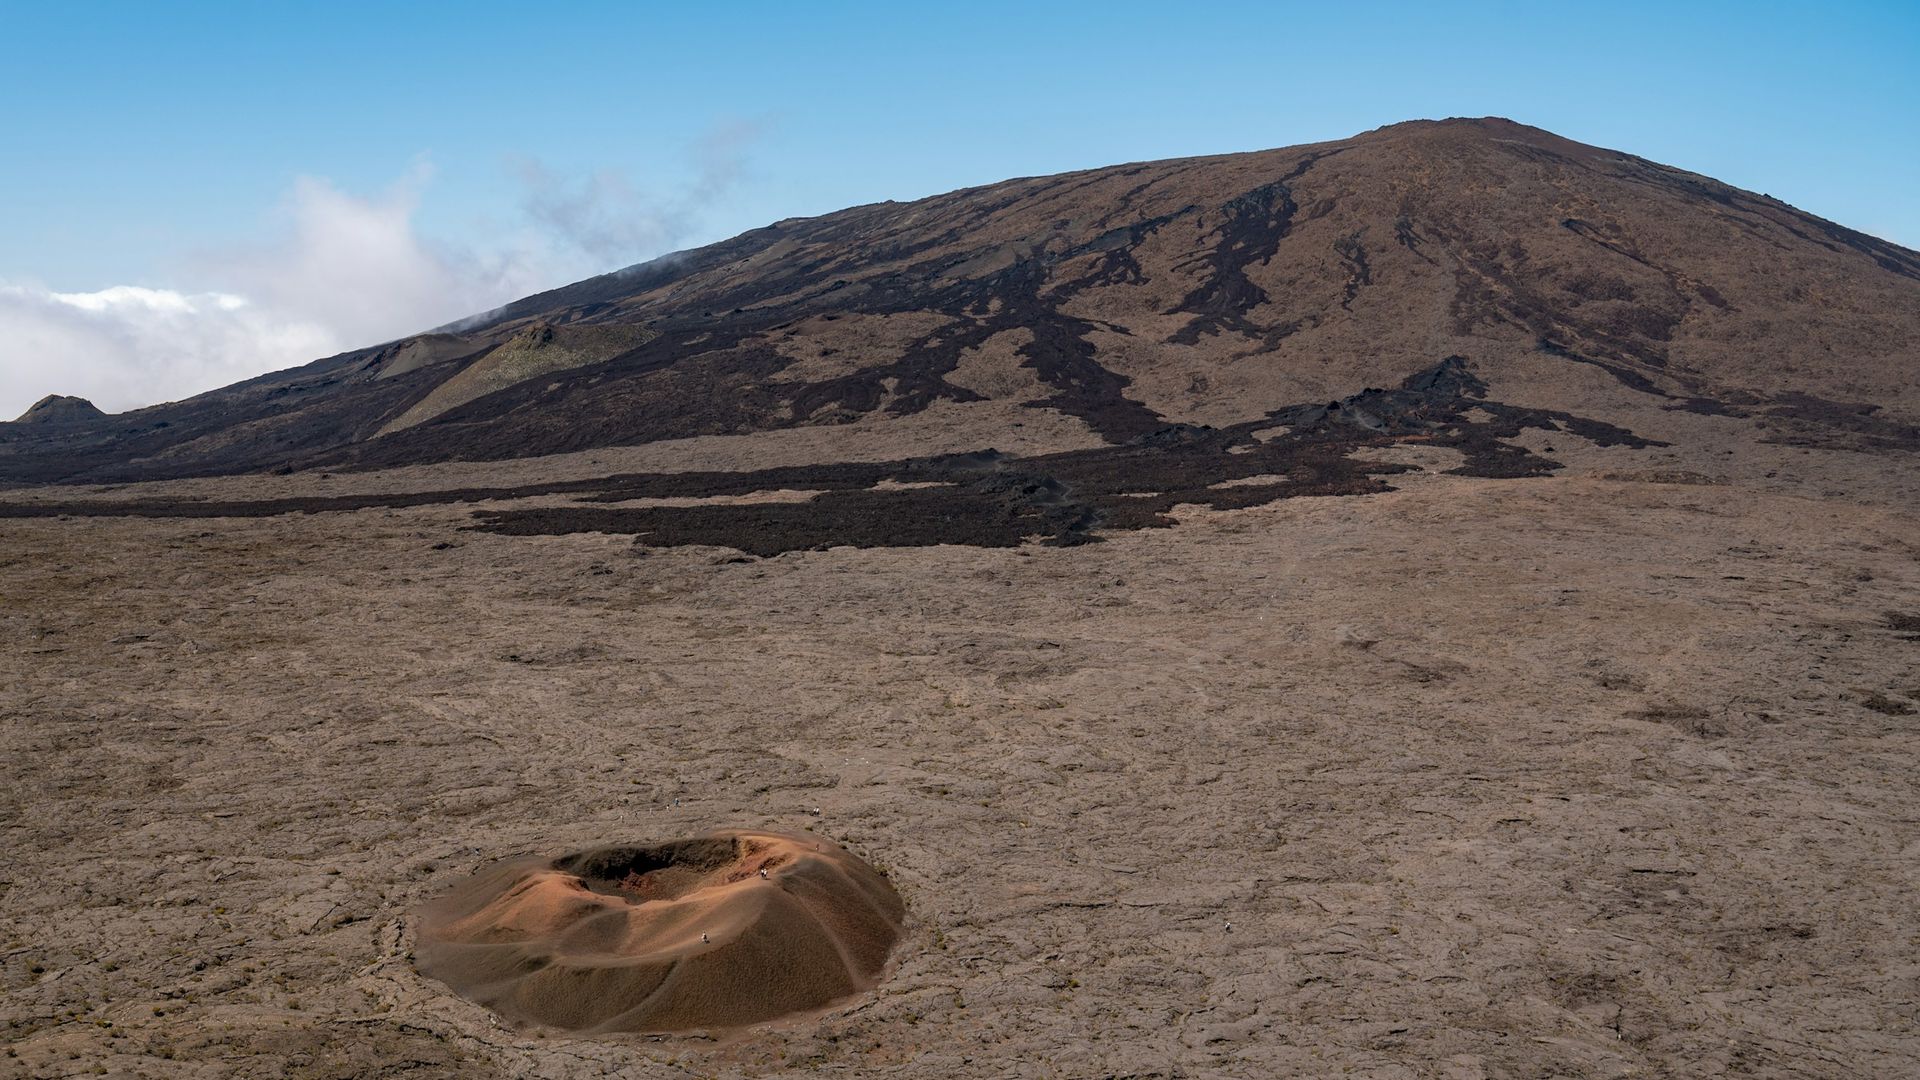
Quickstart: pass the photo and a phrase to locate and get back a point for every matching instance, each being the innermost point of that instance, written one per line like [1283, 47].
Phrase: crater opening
[670, 871]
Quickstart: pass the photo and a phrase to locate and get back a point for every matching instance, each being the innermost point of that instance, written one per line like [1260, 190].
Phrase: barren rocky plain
[1542, 700]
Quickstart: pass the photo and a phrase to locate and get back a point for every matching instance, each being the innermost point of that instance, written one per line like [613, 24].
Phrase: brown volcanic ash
[1196, 291]
[715, 932]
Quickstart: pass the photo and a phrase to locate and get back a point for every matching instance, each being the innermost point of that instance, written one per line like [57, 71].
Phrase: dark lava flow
[989, 499]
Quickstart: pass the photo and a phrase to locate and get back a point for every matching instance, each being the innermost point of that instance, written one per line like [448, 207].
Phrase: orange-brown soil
[713, 933]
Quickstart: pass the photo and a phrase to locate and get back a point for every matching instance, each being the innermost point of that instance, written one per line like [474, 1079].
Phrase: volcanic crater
[713, 932]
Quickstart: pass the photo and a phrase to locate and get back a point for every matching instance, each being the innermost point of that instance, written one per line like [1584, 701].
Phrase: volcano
[1441, 602]
[1112, 305]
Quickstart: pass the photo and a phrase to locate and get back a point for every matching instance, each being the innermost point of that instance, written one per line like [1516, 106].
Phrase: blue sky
[202, 150]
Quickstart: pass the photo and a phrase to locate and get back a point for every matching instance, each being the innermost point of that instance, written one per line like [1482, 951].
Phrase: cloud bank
[127, 346]
[344, 271]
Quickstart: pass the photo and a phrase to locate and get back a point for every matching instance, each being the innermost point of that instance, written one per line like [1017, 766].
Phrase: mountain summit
[1123, 301]
[59, 409]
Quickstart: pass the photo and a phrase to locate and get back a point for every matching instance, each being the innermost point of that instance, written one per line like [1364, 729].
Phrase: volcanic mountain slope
[1580, 744]
[1203, 291]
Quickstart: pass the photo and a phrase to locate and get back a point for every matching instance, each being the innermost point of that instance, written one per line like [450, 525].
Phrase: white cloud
[128, 346]
[605, 216]
[359, 267]
[343, 271]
